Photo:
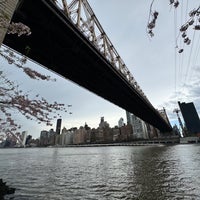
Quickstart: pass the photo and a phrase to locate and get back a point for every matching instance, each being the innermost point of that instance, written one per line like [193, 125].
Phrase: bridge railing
[82, 15]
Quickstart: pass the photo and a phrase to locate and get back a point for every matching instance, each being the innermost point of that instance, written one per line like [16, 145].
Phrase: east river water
[103, 173]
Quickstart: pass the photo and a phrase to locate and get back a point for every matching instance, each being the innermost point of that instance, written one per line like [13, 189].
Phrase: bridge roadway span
[57, 44]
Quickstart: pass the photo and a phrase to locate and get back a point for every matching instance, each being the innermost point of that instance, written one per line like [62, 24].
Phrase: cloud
[189, 92]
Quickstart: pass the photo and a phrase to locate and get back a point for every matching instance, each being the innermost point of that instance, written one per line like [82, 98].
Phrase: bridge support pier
[7, 8]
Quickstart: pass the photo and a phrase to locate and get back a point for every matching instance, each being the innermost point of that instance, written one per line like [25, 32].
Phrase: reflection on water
[93, 173]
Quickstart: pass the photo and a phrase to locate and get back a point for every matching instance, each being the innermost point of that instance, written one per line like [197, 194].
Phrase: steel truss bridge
[68, 39]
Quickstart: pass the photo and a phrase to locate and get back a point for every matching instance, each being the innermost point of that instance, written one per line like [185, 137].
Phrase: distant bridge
[69, 40]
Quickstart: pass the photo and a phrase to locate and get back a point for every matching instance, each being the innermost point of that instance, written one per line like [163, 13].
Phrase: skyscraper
[190, 117]
[58, 126]
[138, 125]
[129, 117]
[121, 122]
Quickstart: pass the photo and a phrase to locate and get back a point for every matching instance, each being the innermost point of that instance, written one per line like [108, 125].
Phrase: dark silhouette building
[190, 117]
[58, 126]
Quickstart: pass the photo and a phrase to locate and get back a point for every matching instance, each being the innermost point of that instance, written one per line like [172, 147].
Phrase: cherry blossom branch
[13, 28]
[38, 109]
[20, 61]
[152, 20]
[193, 22]
[11, 98]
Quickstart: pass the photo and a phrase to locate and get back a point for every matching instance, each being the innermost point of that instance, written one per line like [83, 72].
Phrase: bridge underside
[58, 45]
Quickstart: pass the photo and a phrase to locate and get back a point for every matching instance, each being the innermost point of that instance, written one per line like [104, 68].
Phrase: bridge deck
[56, 43]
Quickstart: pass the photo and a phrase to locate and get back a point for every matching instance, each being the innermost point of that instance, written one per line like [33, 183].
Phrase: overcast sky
[164, 75]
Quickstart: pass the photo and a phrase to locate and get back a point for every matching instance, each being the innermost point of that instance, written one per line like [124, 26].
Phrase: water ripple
[106, 173]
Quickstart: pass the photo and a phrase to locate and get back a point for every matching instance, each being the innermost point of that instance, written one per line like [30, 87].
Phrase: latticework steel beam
[82, 15]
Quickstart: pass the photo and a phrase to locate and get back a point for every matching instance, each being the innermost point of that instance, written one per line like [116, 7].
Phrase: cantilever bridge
[68, 39]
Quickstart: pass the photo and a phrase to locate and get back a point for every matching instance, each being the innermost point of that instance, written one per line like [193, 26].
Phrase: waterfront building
[121, 122]
[66, 137]
[11, 141]
[138, 126]
[51, 137]
[44, 138]
[107, 135]
[88, 134]
[129, 118]
[126, 133]
[28, 139]
[57, 139]
[103, 123]
[51, 132]
[152, 132]
[58, 126]
[63, 136]
[190, 117]
[116, 134]
[80, 136]
[93, 135]
[47, 137]
[24, 135]
[34, 142]
[104, 133]
[99, 137]
[69, 137]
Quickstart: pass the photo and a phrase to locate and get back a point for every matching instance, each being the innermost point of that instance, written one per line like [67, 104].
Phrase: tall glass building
[58, 126]
[190, 117]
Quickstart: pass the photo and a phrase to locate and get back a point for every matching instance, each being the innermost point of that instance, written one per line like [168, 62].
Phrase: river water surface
[103, 173]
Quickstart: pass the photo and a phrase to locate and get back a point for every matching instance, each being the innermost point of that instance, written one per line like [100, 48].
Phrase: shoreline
[155, 142]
